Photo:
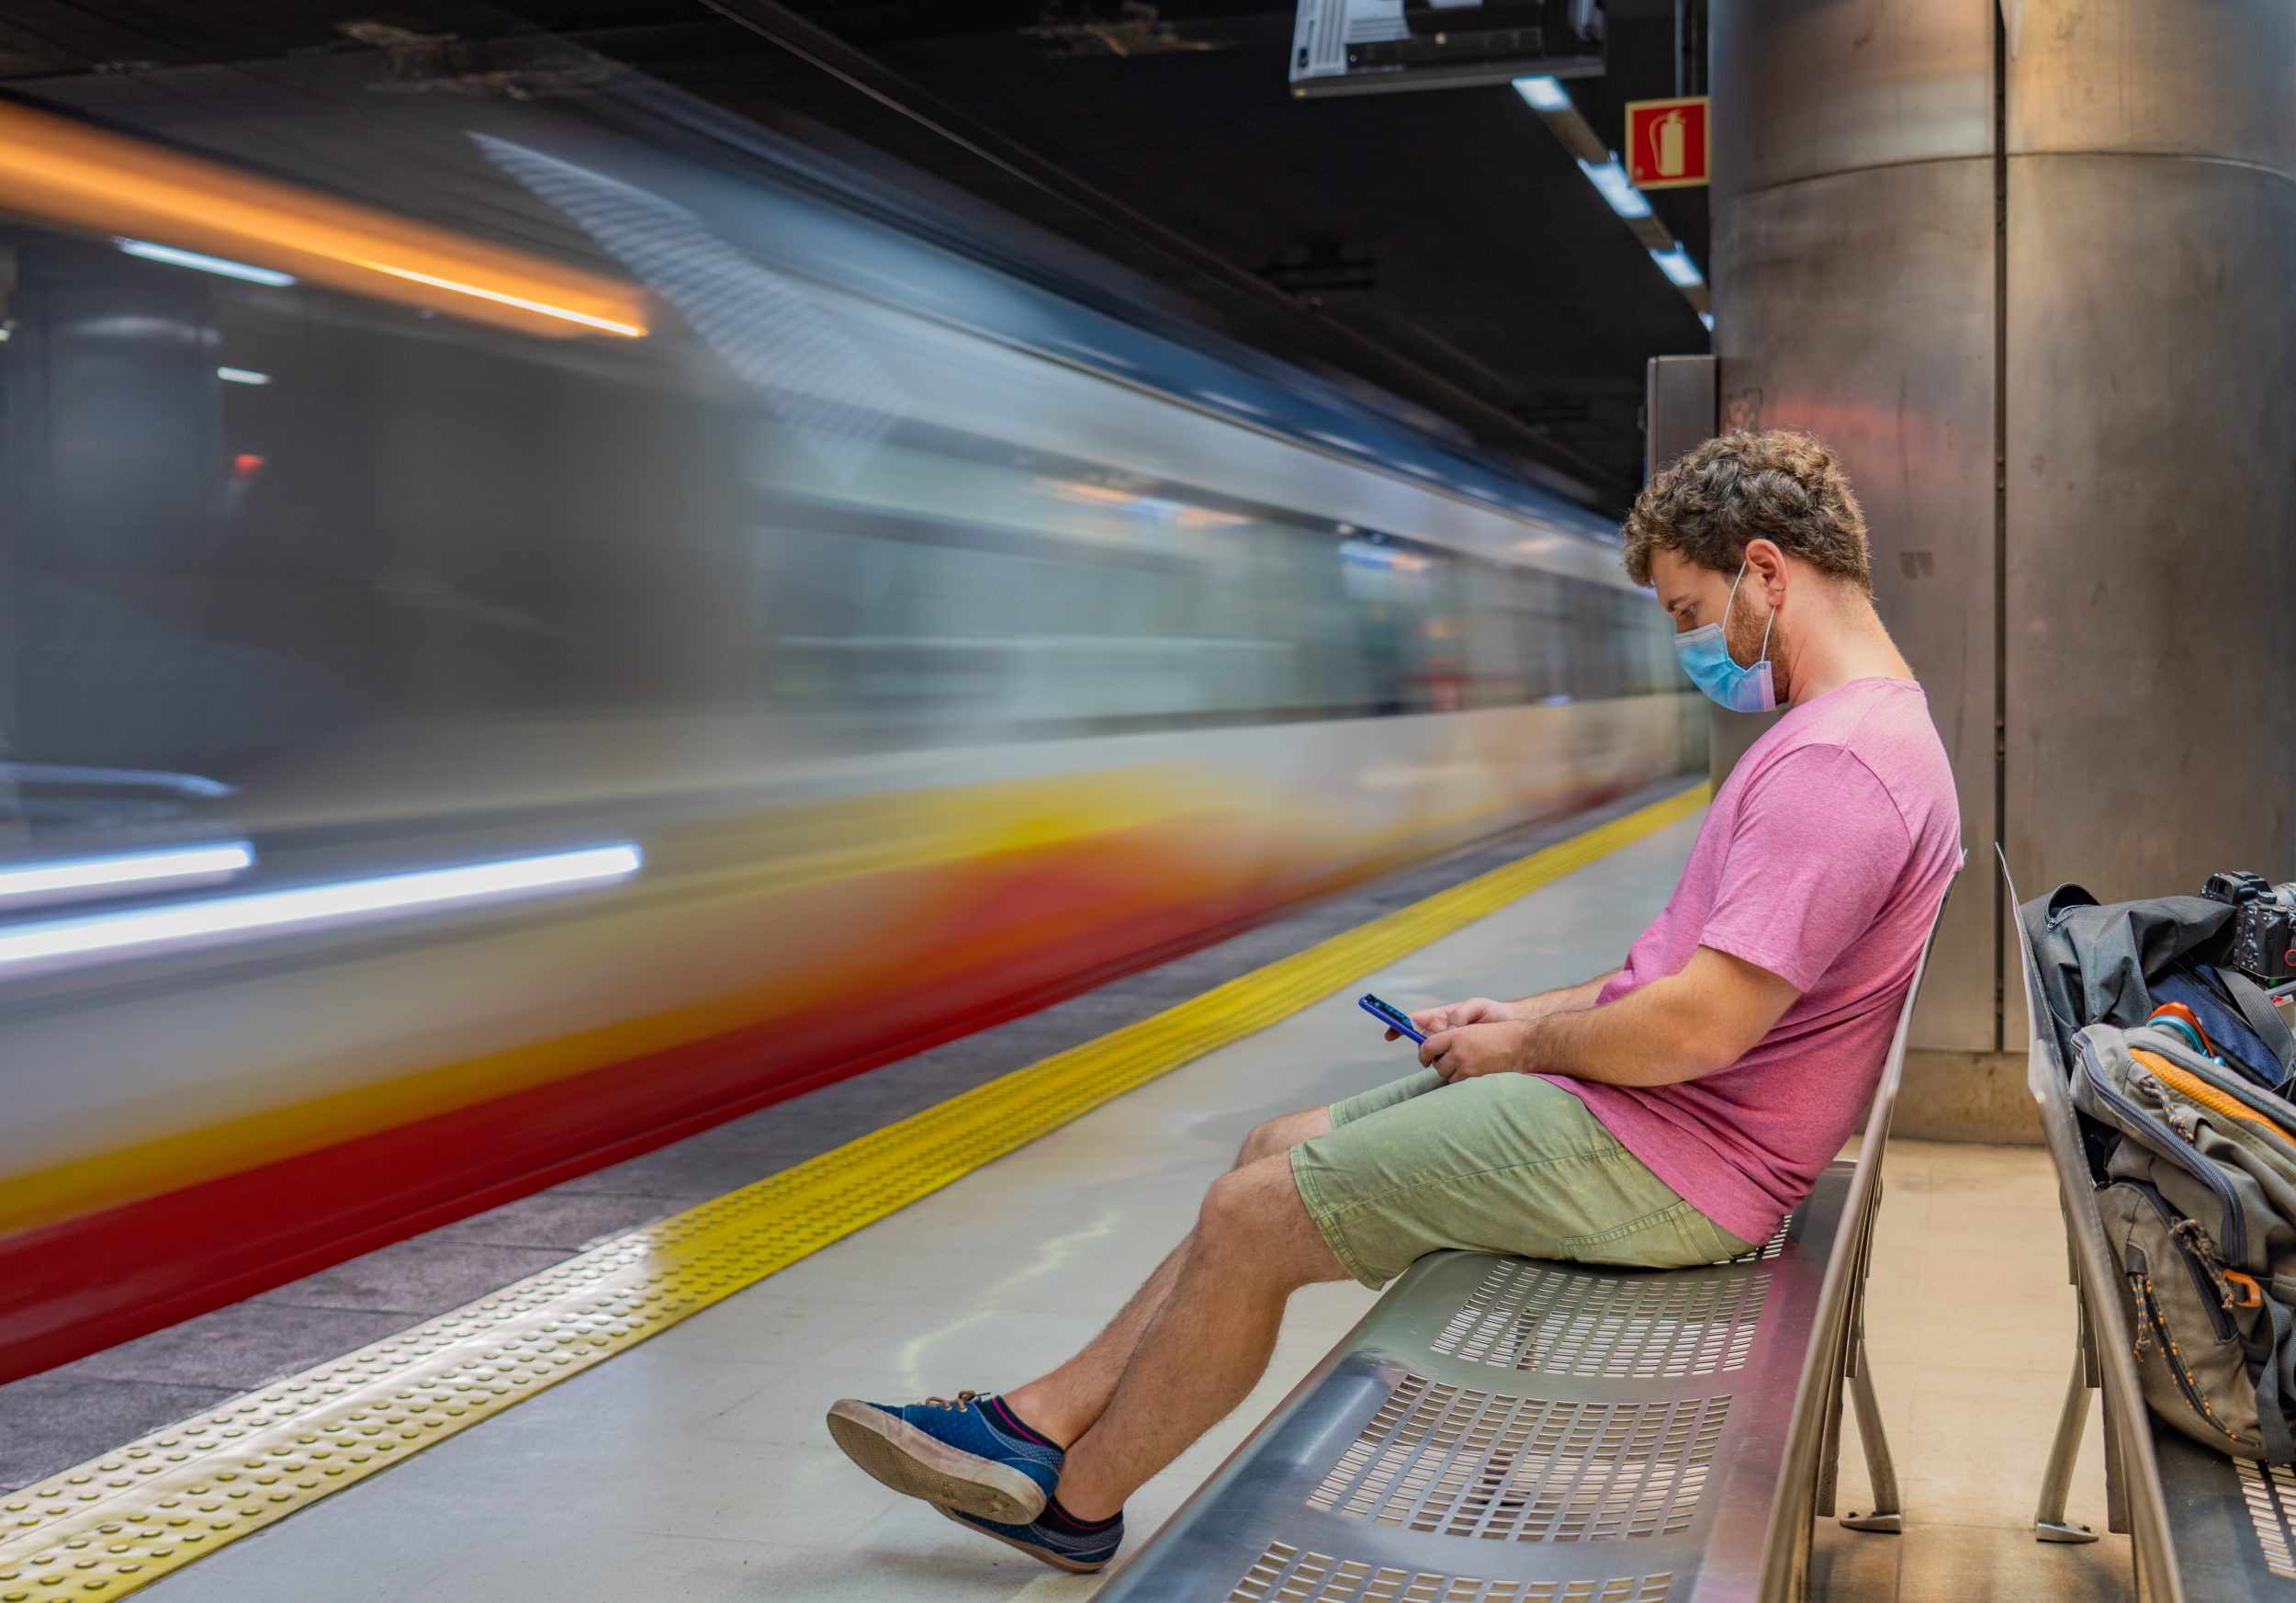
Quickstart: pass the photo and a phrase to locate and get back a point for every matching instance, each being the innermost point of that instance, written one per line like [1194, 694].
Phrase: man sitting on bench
[1669, 1112]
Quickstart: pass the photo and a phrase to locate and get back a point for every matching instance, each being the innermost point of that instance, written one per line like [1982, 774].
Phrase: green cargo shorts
[1500, 1163]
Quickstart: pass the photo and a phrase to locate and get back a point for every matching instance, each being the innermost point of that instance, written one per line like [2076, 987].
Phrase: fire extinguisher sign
[1666, 142]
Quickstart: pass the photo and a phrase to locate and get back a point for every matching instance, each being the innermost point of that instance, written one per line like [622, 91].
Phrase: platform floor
[697, 1465]
[81, 1410]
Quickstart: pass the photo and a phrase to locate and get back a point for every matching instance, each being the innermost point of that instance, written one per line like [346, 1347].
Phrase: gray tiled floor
[82, 1410]
[1969, 1321]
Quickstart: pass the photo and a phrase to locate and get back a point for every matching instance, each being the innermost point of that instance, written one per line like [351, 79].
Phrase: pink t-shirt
[1823, 860]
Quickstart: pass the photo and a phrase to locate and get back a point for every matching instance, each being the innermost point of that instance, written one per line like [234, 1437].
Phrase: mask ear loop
[1762, 664]
[1732, 659]
[1768, 624]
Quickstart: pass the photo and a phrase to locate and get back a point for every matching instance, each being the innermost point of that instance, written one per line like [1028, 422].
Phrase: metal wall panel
[2152, 534]
[2147, 339]
[2138, 77]
[1677, 409]
[1860, 306]
[1803, 87]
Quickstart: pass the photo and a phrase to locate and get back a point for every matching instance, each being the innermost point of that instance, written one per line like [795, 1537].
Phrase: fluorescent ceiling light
[217, 265]
[1707, 318]
[1612, 180]
[63, 943]
[70, 876]
[1543, 93]
[1680, 270]
[242, 375]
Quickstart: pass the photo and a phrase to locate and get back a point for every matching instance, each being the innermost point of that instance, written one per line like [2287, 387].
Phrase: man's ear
[1765, 559]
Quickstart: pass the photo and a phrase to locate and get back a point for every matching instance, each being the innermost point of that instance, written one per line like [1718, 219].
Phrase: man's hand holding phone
[1485, 1046]
[1452, 1015]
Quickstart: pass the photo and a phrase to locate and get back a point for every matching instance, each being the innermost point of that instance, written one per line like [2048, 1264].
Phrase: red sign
[1666, 142]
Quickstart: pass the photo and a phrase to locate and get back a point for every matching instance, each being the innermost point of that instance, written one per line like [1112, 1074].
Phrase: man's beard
[1743, 635]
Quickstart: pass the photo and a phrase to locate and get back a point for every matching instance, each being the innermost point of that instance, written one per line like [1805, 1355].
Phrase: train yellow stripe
[129, 1518]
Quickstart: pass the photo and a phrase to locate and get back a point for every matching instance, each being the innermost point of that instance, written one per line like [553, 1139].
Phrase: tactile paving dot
[178, 1494]
[1560, 1322]
[1454, 1461]
[1285, 1574]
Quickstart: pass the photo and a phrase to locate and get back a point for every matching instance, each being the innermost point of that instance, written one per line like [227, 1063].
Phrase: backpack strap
[2262, 1017]
[2276, 1382]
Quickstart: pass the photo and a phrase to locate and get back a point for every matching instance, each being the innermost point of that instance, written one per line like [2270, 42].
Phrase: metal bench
[2201, 1525]
[1499, 1431]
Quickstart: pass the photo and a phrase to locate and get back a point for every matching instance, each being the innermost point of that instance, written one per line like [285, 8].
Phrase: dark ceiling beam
[867, 21]
[1494, 426]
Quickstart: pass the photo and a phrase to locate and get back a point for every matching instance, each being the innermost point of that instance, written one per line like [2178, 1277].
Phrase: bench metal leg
[1828, 1453]
[2049, 1521]
[1888, 1512]
[2116, 1471]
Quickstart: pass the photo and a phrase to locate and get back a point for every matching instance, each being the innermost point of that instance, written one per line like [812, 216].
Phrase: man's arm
[1571, 998]
[1687, 1024]
[1483, 1010]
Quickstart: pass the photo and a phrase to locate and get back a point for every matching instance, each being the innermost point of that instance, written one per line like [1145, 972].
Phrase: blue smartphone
[1394, 1019]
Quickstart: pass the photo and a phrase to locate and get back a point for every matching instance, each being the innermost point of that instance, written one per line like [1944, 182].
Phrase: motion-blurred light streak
[54, 943]
[31, 882]
[188, 785]
[172, 206]
[197, 262]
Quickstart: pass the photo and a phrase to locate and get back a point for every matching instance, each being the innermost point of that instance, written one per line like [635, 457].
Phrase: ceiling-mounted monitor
[1357, 46]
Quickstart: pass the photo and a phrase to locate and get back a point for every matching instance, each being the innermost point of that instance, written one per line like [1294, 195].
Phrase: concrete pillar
[2034, 289]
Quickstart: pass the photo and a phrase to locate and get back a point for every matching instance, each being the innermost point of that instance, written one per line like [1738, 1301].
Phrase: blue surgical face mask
[1705, 655]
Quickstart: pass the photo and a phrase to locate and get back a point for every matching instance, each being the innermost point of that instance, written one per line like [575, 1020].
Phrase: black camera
[2264, 929]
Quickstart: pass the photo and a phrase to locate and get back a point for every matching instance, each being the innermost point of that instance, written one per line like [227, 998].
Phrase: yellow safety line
[121, 1521]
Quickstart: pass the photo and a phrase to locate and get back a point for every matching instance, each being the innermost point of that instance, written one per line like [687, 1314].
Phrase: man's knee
[1282, 1134]
[1253, 1220]
[1230, 1204]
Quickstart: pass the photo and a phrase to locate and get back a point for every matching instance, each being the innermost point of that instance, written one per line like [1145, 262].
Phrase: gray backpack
[2198, 1198]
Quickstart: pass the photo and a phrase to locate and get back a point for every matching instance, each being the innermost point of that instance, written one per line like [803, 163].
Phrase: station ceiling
[1440, 245]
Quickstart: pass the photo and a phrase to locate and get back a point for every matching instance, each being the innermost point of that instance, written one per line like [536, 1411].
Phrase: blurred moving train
[532, 626]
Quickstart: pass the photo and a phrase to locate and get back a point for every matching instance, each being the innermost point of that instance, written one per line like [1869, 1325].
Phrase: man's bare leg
[1065, 1404]
[1201, 1353]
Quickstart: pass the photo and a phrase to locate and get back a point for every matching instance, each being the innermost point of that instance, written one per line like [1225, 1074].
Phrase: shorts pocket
[1676, 1236]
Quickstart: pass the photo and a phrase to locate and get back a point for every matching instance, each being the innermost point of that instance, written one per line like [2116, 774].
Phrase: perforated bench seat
[1500, 1430]
[2235, 1521]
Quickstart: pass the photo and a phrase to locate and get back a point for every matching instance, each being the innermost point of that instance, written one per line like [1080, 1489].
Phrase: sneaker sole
[1043, 1555]
[904, 1458]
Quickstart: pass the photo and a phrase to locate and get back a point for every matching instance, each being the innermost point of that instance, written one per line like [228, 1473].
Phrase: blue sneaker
[973, 1454]
[1063, 1543]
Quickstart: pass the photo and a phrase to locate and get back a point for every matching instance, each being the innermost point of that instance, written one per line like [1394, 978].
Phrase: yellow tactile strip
[122, 1520]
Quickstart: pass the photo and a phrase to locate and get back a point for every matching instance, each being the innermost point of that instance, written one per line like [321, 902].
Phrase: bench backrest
[2046, 1076]
[1786, 1549]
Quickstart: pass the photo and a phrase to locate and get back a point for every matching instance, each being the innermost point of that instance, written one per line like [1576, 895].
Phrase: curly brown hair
[1778, 485]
